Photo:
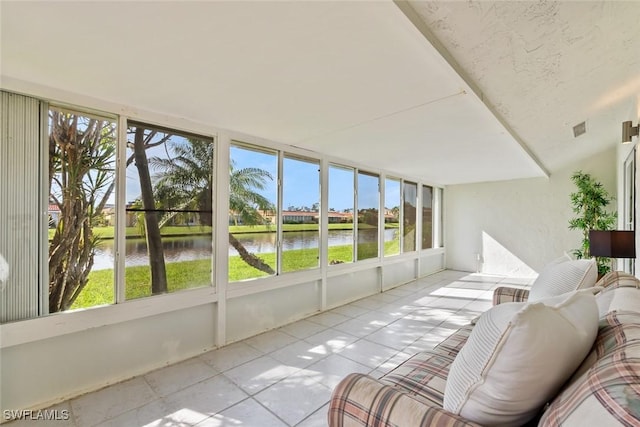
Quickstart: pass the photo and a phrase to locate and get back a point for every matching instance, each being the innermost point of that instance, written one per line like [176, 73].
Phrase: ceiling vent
[579, 129]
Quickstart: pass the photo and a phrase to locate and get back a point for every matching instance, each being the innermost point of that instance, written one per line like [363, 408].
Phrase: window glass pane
[409, 195]
[301, 209]
[391, 216]
[82, 155]
[253, 196]
[340, 214]
[169, 211]
[427, 217]
[368, 202]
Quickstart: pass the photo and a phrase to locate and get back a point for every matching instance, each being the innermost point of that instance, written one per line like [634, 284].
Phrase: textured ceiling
[547, 66]
[447, 92]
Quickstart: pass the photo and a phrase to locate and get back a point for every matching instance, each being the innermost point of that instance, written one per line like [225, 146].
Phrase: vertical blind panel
[19, 210]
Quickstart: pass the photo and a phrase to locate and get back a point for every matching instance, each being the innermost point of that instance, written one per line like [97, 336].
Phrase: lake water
[199, 247]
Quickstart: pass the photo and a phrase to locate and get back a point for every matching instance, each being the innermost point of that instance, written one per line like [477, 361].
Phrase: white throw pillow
[564, 275]
[518, 356]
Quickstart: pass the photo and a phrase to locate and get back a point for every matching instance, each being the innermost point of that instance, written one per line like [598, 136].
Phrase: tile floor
[285, 377]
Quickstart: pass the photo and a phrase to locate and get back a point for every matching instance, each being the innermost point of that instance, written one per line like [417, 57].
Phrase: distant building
[298, 217]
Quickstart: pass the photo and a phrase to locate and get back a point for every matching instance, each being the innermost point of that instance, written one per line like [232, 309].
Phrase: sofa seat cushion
[454, 342]
[361, 401]
[423, 375]
[606, 389]
[562, 276]
[518, 356]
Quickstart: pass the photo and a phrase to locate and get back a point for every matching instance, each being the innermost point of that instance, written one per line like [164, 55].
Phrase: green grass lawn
[195, 274]
[133, 232]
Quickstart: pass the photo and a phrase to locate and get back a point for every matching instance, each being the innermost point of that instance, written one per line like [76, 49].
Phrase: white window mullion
[279, 236]
[221, 234]
[120, 233]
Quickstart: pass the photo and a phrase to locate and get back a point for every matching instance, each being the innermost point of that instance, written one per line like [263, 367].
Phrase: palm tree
[185, 181]
[141, 141]
[81, 172]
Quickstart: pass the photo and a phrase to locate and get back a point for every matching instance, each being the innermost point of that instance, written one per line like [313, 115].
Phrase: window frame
[46, 326]
[121, 220]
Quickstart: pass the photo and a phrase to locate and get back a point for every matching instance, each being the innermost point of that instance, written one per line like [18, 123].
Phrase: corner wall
[516, 227]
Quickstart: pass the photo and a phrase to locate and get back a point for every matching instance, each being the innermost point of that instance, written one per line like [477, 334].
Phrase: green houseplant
[589, 203]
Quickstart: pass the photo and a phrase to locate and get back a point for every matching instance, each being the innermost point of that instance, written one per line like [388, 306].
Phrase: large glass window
[391, 216]
[300, 214]
[427, 217]
[82, 159]
[340, 214]
[166, 227]
[169, 211]
[409, 203]
[253, 224]
[368, 210]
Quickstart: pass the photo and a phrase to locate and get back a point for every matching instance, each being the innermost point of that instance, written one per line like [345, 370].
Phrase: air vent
[579, 129]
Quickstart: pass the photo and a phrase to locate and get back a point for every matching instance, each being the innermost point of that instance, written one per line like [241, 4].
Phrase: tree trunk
[250, 258]
[152, 228]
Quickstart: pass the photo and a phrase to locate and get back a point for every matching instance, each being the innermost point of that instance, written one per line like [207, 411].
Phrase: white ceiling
[356, 80]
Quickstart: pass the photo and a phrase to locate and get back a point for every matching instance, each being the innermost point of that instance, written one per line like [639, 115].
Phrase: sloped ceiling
[447, 92]
[547, 66]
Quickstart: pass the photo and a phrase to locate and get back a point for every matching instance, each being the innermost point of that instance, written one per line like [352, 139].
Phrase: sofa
[601, 388]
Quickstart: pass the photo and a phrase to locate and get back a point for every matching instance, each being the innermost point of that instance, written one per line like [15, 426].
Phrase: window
[368, 192]
[253, 223]
[391, 216]
[163, 239]
[409, 198]
[300, 218]
[340, 214]
[427, 217]
[169, 211]
[81, 210]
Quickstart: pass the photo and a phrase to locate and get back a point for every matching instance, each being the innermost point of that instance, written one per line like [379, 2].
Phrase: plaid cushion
[359, 400]
[507, 294]
[424, 375]
[621, 295]
[454, 342]
[608, 392]
[618, 279]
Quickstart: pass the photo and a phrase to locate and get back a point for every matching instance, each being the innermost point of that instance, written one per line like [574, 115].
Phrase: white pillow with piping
[564, 275]
[518, 356]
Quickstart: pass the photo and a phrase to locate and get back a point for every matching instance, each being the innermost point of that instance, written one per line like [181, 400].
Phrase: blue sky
[300, 178]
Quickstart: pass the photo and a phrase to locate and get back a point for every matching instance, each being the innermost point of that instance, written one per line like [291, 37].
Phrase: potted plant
[589, 203]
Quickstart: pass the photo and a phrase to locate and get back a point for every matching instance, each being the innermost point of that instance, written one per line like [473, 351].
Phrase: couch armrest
[360, 400]
[508, 294]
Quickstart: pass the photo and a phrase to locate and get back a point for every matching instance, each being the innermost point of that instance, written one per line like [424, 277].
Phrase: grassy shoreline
[108, 233]
[194, 274]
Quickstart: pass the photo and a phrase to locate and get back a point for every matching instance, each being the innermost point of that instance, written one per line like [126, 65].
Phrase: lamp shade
[612, 244]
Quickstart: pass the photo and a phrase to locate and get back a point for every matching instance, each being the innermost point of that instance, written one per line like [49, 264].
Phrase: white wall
[42, 372]
[518, 226]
